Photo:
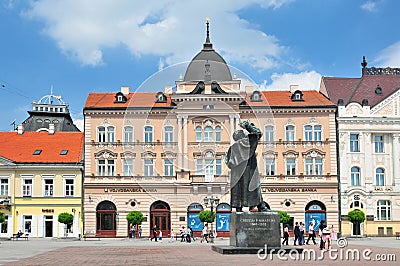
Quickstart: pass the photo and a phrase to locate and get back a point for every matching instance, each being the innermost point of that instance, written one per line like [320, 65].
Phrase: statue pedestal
[252, 231]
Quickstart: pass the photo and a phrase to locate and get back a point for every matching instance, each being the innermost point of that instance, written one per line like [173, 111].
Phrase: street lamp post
[212, 200]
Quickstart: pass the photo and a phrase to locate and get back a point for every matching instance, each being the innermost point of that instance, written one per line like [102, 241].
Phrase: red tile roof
[134, 99]
[357, 89]
[283, 98]
[20, 148]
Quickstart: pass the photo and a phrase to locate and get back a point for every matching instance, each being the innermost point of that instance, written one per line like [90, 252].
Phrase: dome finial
[207, 45]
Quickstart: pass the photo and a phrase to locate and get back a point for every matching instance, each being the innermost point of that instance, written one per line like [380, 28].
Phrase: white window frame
[379, 145]
[199, 134]
[25, 221]
[69, 187]
[209, 170]
[111, 134]
[199, 166]
[317, 133]
[270, 166]
[208, 134]
[218, 133]
[148, 167]
[291, 168]
[4, 226]
[309, 166]
[108, 168]
[355, 177]
[169, 134]
[269, 134]
[308, 133]
[380, 177]
[4, 185]
[101, 134]
[26, 186]
[148, 136]
[48, 191]
[128, 135]
[290, 134]
[384, 206]
[127, 166]
[168, 167]
[354, 143]
[218, 166]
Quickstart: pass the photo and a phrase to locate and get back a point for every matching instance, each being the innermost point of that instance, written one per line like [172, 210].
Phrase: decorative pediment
[291, 154]
[313, 153]
[105, 154]
[128, 155]
[168, 155]
[354, 109]
[148, 155]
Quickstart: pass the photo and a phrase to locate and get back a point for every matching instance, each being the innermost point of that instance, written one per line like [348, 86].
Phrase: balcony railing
[136, 178]
[295, 144]
[203, 179]
[133, 145]
[297, 178]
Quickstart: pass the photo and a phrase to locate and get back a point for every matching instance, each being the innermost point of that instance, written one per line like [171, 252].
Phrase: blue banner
[316, 218]
[194, 221]
[223, 221]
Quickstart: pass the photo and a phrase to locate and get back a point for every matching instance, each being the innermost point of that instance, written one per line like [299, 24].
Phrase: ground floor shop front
[177, 206]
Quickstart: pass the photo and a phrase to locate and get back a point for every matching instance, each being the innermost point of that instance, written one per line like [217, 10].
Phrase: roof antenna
[13, 124]
[51, 94]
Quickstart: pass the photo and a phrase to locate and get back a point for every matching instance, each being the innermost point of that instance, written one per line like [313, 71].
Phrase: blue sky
[98, 46]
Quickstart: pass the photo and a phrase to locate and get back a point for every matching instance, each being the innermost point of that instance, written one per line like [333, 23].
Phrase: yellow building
[41, 177]
[163, 153]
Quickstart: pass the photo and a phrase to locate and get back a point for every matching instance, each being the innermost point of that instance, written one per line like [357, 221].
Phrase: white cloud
[370, 6]
[306, 81]
[171, 29]
[389, 57]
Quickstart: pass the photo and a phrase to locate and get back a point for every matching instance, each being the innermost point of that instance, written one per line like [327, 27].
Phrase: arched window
[148, 134]
[198, 134]
[208, 133]
[217, 133]
[384, 209]
[355, 176]
[101, 134]
[168, 134]
[380, 177]
[289, 133]
[128, 134]
[110, 134]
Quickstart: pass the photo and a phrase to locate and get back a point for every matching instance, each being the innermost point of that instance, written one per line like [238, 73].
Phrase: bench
[398, 235]
[14, 237]
[90, 235]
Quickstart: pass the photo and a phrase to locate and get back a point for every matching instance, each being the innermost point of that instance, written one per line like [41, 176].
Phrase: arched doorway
[315, 212]
[193, 219]
[223, 219]
[160, 215]
[106, 219]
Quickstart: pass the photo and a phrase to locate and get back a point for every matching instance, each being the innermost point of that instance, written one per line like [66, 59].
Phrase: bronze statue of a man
[245, 179]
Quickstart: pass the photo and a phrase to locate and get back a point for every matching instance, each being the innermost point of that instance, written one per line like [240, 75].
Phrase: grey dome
[208, 65]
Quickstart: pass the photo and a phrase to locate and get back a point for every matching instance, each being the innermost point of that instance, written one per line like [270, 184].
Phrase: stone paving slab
[144, 252]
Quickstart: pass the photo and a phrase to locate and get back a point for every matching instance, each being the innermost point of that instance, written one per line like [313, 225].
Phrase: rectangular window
[27, 188]
[110, 134]
[110, 168]
[354, 143]
[168, 134]
[168, 167]
[318, 166]
[309, 166]
[269, 133]
[270, 166]
[101, 168]
[218, 167]
[148, 167]
[128, 167]
[4, 225]
[69, 187]
[128, 134]
[101, 132]
[384, 210]
[318, 133]
[290, 166]
[199, 166]
[308, 133]
[378, 143]
[289, 133]
[48, 188]
[198, 134]
[148, 134]
[4, 186]
[209, 174]
[27, 224]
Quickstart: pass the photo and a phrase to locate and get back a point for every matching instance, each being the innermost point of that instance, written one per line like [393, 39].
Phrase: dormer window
[255, 97]
[297, 96]
[37, 152]
[120, 98]
[161, 98]
[378, 90]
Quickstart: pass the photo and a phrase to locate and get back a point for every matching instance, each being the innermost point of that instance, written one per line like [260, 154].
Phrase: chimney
[125, 90]
[20, 129]
[294, 88]
[51, 129]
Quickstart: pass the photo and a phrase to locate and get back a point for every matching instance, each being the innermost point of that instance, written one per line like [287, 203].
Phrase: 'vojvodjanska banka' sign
[131, 190]
[288, 189]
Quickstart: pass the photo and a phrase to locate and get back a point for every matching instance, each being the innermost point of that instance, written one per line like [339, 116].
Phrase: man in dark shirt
[296, 234]
[154, 230]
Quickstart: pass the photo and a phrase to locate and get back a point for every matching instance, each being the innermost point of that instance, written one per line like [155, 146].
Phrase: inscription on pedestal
[256, 229]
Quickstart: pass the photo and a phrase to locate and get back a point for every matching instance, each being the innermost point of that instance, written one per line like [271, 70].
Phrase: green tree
[66, 218]
[284, 217]
[356, 216]
[207, 216]
[135, 218]
[2, 217]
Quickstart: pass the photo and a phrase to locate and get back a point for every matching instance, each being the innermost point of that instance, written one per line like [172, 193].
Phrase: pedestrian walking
[285, 235]
[311, 233]
[296, 232]
[154, 230]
